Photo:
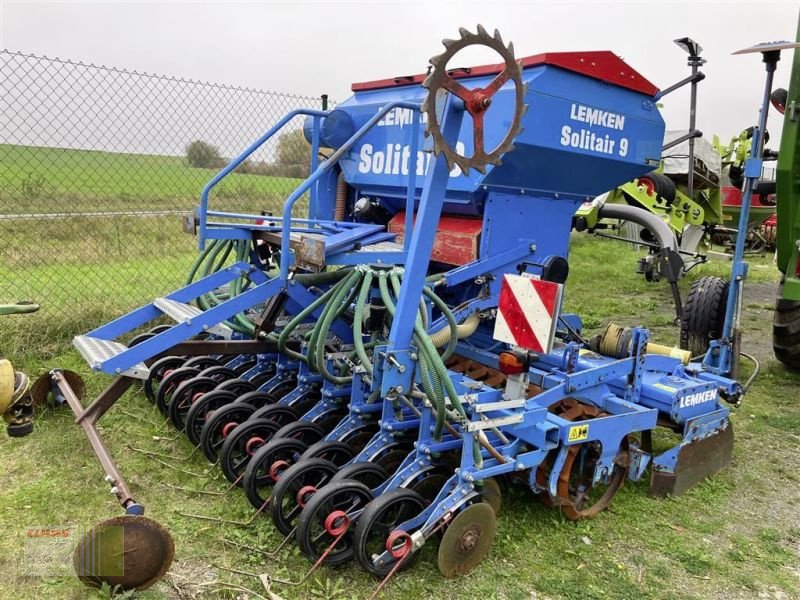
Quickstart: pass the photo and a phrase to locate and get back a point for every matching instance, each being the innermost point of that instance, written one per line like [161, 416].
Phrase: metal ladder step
[183, 313]
[96, 351]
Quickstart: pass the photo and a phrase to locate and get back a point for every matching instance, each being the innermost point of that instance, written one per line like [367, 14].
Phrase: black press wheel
[219, 373]
[237, 386]
[338, 453]
[257, 399]
[186, 394]
[703, 314]
[280, 389]
[243, 367]
[220, 425]
[242, 444]
[202, 409]
[158, 371]
[168, 385]
[294, 489]
[374, 533]
[305, 431]
[282, 415]
[359, 437]
[369, 474]
[328, 515]
[202, 362]
[266, 467]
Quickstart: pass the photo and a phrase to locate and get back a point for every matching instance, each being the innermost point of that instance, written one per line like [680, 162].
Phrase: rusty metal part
[492, 494]
[696, 461]
[476, 101]
[575, 481]
[41, 390]
[130, 551]
[467, 540]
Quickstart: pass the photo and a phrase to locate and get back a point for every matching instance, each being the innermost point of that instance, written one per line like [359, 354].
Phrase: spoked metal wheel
[327, 517]
[202, 362]
[359, 437]
[237, 386]
[282, 415]
[294, 489]
[186, 394]
[280, 389]
[376, 543]
[266, 467]
[257, 399]
[202, 409]
[220, 425]
[170, 383]
[242, 444]
[158, 371]
[369, 474]
[338, 453]
[305, 431]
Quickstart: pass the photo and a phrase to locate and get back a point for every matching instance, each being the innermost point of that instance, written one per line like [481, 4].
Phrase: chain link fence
[98, 165]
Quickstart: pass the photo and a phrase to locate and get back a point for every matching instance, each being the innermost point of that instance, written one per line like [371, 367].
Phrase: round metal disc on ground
[492, 494]
[130, 551]
[41, 390]
[467, 540]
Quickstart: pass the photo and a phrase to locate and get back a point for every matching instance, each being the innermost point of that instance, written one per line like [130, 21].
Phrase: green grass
[49, 180]
[734, 536]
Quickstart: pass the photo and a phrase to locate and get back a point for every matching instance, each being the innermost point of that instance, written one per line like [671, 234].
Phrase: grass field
[736, 536]
[48, 180]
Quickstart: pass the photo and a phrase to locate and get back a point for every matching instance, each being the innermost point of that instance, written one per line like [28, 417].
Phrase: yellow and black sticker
[578, 433]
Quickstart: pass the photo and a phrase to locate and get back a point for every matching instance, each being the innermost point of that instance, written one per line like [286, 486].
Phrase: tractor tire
[661, 185]
[786, 331]
[703, 314]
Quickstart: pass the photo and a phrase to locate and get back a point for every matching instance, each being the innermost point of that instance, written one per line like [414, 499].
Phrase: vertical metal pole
[411, 190]
[324, 99]
[419, 253]
[732, 328]
[694, 62]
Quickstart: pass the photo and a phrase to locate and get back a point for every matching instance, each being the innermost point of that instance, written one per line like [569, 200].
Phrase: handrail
[324, 167]
[241, 158]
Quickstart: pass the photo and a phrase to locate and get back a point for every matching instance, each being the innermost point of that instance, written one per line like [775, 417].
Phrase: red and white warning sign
[528, 312]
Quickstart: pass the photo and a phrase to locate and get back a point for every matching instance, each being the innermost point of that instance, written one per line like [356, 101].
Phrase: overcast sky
[311, 48]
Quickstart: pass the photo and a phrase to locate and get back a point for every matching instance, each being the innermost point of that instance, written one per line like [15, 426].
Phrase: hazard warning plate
[527, 313]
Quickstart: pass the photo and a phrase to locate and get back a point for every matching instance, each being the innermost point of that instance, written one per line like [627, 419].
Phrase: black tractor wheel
[703, 314]
[786, 331]
[660, 184]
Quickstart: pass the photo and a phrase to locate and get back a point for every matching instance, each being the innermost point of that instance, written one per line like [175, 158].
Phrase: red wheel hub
[337, 523]
[278, 467]
[304, 494]
[398, 544]
[253, 444]
[228, 427]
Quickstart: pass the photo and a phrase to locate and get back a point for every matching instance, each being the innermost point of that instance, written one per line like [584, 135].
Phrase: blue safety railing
[287, 220]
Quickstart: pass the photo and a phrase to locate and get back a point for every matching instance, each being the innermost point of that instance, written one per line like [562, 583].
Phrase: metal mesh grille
[98, 165]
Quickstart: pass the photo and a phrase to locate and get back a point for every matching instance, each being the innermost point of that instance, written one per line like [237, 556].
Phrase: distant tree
[293, 153]
[202, 155]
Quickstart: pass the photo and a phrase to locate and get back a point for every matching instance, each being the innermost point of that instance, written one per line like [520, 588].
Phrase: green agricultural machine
[786, 322]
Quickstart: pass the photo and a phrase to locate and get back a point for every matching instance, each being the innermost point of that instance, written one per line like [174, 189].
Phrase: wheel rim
[212, 436]
[201, 411]
[157, 373]
[376, 533]
[170, 384]
[259, 476]
[295, 488]
[312, 534]
[242, 444]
